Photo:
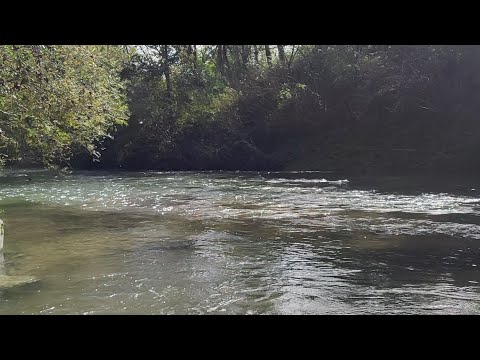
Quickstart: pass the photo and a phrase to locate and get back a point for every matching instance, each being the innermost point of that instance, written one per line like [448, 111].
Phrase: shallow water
[238, 243]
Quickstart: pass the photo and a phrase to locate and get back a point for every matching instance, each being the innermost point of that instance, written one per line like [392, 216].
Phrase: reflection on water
[238, 243]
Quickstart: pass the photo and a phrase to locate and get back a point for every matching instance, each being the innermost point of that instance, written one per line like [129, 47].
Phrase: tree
[281, 54]
[255, 51]
[268, 55]
[54, 99]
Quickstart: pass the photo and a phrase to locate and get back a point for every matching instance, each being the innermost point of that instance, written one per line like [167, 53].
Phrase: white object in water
[7, 281]
[1, 235]
[2, 265]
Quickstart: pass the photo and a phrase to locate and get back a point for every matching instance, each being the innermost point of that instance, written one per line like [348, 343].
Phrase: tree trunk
[225, 57]
[220, 62]
[268, 54]
[245, 53]
[195, 57]
[281, 54]
[166, 70]
[255, 52]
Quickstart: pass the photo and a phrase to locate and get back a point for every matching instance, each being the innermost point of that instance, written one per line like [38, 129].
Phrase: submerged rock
[7, 281]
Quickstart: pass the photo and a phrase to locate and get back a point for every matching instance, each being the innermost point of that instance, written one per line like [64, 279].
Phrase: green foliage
[54, 99]
[226, 106]
[236, 106]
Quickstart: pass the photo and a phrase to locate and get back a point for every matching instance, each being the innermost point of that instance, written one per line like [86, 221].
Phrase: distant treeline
[247, 107]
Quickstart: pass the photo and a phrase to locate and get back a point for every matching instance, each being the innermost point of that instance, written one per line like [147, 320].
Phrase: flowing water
[238, 243]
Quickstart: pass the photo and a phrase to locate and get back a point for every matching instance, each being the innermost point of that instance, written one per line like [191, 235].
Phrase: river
[238, 243]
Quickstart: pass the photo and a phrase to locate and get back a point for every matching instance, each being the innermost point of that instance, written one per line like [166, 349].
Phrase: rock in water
[7, 281]
[13, 281]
